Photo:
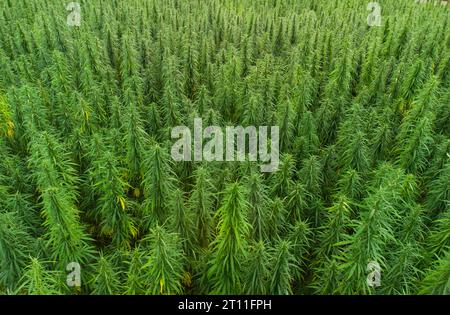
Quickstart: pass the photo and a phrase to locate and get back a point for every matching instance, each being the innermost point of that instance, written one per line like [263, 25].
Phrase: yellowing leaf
[161, 284]
[133, 230]
[6, 123]
[10, 129]
[121, 200]
[187, 279]
[87, 115]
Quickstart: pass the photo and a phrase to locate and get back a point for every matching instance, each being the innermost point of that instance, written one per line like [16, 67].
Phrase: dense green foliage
[86, 174]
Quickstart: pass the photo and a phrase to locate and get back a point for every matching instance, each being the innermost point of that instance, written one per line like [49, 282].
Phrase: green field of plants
[92, 201]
